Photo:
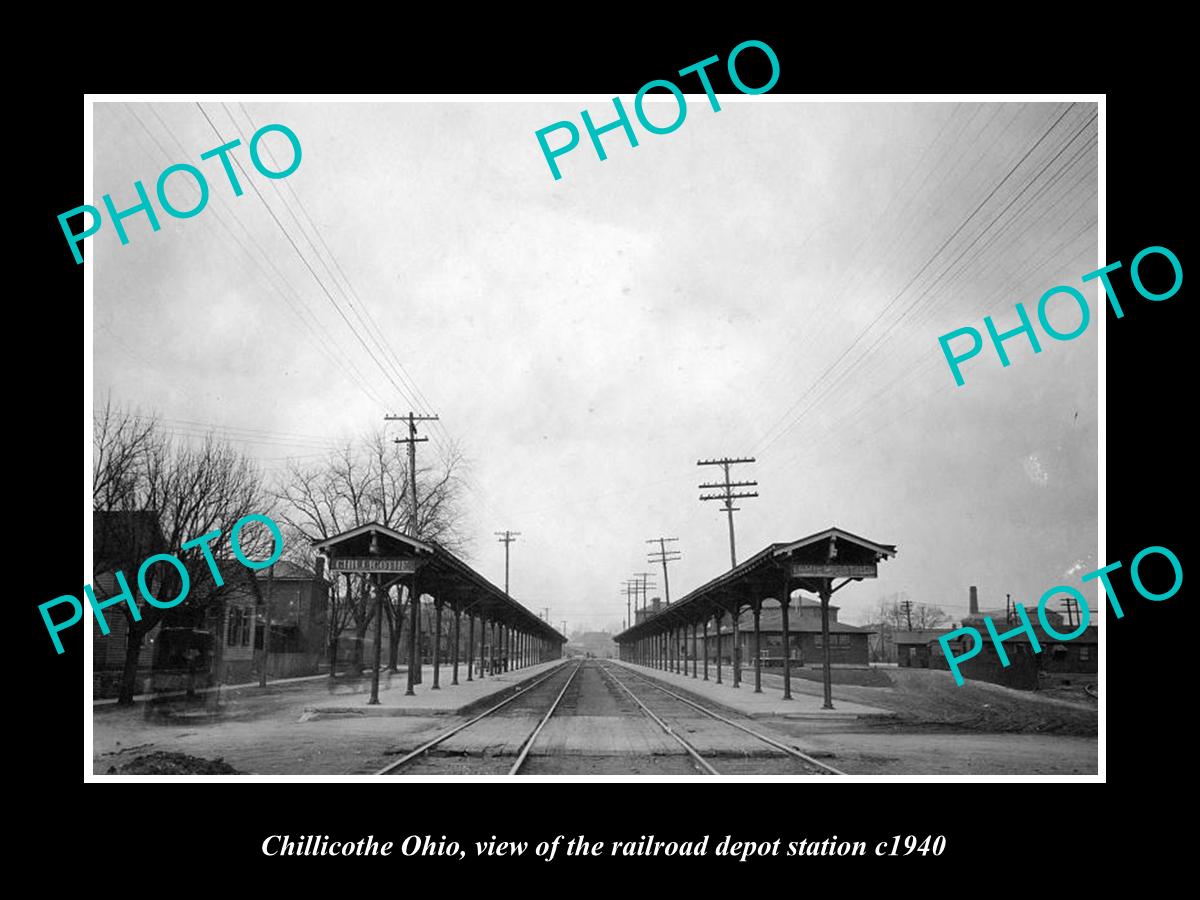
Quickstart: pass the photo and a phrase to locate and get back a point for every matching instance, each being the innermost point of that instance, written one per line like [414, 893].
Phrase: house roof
[919, 637]
[772, 620]
[1090, 635]
[809, 603]
[286, 570]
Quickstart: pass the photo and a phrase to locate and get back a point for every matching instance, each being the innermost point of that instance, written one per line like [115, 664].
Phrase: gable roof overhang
[441, 575]
[765, 575]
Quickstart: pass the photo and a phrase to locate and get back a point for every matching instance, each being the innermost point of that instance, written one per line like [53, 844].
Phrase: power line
[380, 345]
[355, 376]
[861, 360]
[860, 274]
[370, 322]
[815, 333]
[928, 262]
[300, 254]
[395, 359]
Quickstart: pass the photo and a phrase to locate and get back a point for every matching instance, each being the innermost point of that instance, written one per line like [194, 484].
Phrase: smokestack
[974, 600]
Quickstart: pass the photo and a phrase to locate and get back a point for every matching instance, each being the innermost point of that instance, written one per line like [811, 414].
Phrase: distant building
[1026, 670]
[849, 645]
[653, 608]
[918, 649]
[120, 541]
[598, 643]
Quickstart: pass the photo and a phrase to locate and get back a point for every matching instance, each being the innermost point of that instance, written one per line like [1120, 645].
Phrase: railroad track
[395, 766]
[698, 759]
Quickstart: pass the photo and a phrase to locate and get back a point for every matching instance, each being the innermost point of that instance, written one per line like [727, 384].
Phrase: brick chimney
[319, 567]
[974, 600]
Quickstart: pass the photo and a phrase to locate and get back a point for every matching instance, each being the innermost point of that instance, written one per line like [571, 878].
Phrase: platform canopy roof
[396, 556]
[809, 563]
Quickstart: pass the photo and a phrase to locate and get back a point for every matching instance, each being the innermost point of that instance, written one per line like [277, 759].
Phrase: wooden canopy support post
[717, 616]
[825, 593]
[757, 648]
[470, 644]
[784, 603]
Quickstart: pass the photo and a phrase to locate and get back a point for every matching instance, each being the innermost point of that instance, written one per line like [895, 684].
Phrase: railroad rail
[704, 765]
[393, 767]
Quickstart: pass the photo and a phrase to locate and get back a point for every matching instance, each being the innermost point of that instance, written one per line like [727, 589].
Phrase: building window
[1085, 653]
[237, 631]
[835, 640]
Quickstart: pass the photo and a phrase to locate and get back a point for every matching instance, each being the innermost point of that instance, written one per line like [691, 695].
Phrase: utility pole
[882, 636]
[506, 538]
[645, 587]
[664, 556]
[1071, 607]
[906, 605]
[628, 591]
[412, 440]
[728, 494]
[414, 658]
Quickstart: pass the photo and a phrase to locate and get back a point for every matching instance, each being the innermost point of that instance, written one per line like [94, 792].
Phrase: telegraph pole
[664, 556]
[414, 657]
[906, 605]
[506, 538]
[644, 587]
[727, 493]
[1071, 608]
[412, 440]
[629, 592]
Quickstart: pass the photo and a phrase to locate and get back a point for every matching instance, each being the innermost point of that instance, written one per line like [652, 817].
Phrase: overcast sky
[769, 280]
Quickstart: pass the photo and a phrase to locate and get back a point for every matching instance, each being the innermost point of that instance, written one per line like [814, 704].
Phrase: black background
[990, 827]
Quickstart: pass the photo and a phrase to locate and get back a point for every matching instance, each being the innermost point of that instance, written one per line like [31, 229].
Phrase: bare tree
[317, 502]
[926, 618]
[121, 441]
[363, 482]
[192, 490]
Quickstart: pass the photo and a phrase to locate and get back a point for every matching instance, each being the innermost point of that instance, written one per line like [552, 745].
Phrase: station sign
[833, 570]
[372, 564]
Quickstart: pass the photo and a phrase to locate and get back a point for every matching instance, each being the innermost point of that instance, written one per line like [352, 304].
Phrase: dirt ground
[928, 699]
[859, 753]
[939, 729]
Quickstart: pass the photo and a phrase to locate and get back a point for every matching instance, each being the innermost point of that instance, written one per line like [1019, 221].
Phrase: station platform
[449, 700]
[743, 701]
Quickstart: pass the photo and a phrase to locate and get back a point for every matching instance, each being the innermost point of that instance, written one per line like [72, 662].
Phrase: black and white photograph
[488, 436]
